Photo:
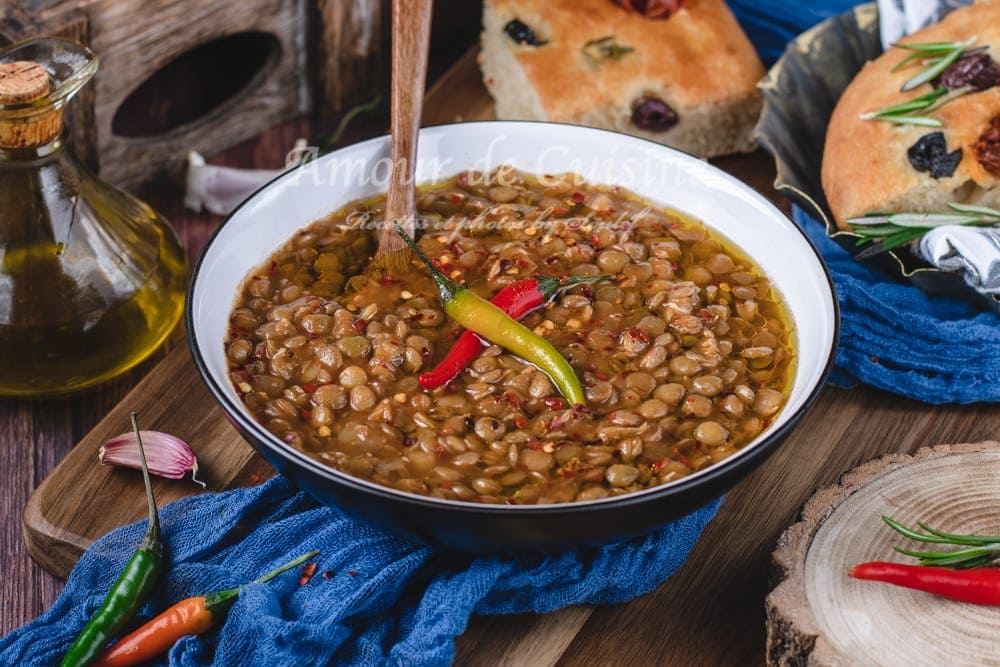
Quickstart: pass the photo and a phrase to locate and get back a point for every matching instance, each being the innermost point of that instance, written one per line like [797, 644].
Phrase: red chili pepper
[978, 586]
[517, 300]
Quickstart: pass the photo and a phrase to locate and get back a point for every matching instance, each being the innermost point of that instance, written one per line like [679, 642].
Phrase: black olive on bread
[930, 154]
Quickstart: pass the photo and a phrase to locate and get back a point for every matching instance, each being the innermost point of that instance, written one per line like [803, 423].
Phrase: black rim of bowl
[750, 454]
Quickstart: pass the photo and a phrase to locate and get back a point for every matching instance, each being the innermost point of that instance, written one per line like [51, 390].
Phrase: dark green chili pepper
[130, 589]
[482, 317]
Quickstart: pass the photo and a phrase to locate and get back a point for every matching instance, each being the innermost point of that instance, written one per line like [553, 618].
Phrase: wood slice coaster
[818, 615]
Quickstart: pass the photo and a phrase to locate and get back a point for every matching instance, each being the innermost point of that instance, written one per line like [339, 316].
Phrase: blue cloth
[771, 24]
[895, 337]
[387, 601]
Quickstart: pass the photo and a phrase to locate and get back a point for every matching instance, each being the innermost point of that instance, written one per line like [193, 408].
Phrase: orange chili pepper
[191, 616]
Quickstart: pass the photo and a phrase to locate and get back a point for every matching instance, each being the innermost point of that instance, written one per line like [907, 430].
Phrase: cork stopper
[23, 82]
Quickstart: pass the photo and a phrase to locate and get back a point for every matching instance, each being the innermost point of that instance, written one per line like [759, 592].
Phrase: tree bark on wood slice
[818, 615]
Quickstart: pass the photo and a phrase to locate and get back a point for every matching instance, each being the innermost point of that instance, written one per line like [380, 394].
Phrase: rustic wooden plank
[25, 449]
[343, 52]
[131, 52]
[520, 639]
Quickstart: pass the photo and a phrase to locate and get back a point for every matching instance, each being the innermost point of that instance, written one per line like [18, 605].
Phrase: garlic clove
[166, 455]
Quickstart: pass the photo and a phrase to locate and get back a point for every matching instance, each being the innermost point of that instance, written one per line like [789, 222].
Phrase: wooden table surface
[710, 613]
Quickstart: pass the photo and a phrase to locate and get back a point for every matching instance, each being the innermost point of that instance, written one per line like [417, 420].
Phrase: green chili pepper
[482, 317]
[130, 589]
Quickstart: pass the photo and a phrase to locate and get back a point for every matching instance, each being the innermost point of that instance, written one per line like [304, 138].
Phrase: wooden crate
[177, 75]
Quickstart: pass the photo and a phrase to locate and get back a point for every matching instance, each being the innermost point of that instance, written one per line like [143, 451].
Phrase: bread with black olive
[874, 165]
[687, 80]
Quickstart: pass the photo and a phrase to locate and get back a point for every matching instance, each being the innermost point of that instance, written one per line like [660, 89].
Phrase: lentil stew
[685, 355]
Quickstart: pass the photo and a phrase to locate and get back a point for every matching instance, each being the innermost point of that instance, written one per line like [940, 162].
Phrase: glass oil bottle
[91, 279]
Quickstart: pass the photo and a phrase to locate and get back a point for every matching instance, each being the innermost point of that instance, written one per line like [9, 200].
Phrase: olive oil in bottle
[91, 279]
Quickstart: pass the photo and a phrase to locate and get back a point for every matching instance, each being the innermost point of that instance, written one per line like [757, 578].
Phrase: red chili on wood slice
[978, 586]
[517, 300]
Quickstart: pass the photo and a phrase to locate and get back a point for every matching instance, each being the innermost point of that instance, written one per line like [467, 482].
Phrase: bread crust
[865, 164]
[698, 61]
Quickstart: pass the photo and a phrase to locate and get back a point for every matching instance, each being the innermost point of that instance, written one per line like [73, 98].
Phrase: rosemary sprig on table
[604, 48]
[886, 231]
[975, 551]
[938, 56]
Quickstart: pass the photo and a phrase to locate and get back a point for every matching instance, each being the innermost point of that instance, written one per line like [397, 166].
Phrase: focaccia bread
[874, 165]
[687, 80]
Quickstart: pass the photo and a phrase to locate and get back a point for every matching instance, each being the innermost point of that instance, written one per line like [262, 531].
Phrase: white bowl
[661, 175]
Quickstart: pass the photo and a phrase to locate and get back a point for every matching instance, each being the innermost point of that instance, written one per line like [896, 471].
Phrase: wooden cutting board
[710, 613]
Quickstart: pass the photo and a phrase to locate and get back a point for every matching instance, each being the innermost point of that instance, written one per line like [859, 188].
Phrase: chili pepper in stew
[191, 616]
[517, 300]
[978, 586]
[480, 316]
[131, 588]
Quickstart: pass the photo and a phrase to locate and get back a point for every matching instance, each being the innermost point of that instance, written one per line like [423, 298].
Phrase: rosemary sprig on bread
[604, 48]
[886, 230]
[937, 57]
[903, 113]
[942, 56]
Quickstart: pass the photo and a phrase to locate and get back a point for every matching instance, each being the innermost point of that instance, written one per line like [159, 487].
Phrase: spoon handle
[411, 28]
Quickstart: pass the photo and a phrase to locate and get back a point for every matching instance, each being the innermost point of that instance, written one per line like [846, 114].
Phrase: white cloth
[901, 17]
[975, 251]
[972, 251]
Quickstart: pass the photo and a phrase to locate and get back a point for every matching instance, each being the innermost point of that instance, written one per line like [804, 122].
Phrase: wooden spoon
[411, 29]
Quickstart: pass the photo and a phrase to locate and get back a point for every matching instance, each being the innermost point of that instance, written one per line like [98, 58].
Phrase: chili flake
[308, 570]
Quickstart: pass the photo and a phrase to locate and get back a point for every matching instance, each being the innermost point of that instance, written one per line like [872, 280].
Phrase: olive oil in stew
[685, 355]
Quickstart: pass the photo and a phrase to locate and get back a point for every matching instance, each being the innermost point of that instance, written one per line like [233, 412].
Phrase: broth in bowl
[685, 351]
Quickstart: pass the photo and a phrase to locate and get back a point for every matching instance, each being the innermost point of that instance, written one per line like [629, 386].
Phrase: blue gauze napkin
[387, 602]
[895, 337]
